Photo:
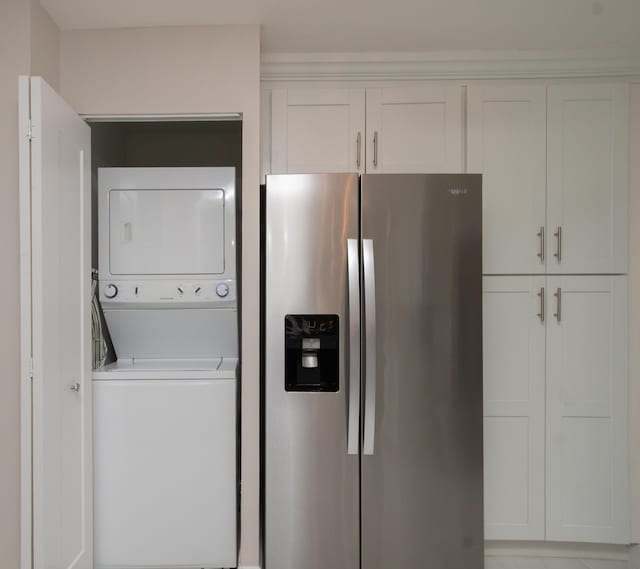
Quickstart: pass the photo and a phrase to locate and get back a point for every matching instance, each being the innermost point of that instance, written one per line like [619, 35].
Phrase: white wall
[175, 70]
[28, 44]
[634, 311]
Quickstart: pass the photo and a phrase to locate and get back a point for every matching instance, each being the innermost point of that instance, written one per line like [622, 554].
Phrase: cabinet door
[514, 344]
[587, 178]
[506, 143]
[317, 131]
[414, 130]
[587, 480]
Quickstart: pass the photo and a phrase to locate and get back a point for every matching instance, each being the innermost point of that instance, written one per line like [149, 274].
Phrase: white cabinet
[587, 178]
[408, 129]
[514, 407]
[587, 466]
[414, 129]
[555, 394]
[562, 150]
[317, 130]
[506, 142]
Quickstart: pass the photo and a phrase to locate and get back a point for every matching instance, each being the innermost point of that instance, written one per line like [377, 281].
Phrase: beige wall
[28, 44]
[189, 70]
[14, 59]
[45, 45]
[634, 311]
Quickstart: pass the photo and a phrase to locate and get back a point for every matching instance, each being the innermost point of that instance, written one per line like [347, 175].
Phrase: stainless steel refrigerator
[372, 371]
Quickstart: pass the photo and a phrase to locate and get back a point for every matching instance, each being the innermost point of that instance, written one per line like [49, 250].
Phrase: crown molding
[449, 65]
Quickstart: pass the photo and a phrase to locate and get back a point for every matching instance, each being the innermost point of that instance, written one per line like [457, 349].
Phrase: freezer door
[422, 406]
[311, 372]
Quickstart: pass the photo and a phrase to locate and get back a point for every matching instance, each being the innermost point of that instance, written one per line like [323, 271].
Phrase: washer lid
[140, 368]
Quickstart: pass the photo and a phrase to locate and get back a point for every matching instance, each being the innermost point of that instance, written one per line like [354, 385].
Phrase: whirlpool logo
[457, 191]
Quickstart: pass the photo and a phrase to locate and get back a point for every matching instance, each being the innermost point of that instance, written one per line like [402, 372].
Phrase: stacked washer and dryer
[165, 427]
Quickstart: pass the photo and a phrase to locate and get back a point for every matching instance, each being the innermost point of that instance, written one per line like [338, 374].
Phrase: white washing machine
[165, 427]
[165, 464]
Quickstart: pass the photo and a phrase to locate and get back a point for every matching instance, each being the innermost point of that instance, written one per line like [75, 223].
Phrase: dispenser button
[309, 359]
[222, 290]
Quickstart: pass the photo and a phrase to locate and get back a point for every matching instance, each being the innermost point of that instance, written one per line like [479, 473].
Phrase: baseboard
[556, 549]
[634, 557]
[552, 563]
[546, 555]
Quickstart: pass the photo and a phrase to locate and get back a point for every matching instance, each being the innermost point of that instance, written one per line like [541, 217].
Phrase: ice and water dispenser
[311, 352]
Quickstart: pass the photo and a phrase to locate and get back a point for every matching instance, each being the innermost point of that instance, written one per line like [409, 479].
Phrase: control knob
[222, 290]
[110, 291]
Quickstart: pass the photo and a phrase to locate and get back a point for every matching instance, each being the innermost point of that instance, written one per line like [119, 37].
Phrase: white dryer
[165, 413]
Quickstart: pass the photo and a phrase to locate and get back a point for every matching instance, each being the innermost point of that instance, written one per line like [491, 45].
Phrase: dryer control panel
[207, 293]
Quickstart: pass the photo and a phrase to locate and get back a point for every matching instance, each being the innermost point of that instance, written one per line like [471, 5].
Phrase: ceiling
[382, 25]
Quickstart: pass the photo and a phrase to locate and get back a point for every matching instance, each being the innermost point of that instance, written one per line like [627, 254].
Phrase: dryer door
[161, 232]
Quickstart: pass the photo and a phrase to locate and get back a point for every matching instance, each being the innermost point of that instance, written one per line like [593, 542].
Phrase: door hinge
[31, 369]
[29, 130]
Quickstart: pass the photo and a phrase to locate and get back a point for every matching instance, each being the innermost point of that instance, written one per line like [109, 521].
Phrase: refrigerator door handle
[370, 345]
[353, 276]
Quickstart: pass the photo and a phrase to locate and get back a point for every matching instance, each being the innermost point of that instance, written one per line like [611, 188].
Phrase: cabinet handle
[375, 149]
[540, 235]
[558, 236]
[74, 387]
[358, 149]
[541, 297]
[558, 312]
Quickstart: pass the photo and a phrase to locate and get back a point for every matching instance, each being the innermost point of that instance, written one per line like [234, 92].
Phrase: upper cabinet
[415, 129]
[506, 142]
[408, 129]
[587, 178]
[562, 151]
[554, 158]
[317, 130]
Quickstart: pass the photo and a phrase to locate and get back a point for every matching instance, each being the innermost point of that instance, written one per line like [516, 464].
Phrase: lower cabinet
[555, 406]
[514, 408]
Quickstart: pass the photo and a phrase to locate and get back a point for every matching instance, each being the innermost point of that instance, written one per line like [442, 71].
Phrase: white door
[59, 193]
[587, 178]
[414, 129]
[506, 143]
[514, 346]
[587, 463]
[317, 131]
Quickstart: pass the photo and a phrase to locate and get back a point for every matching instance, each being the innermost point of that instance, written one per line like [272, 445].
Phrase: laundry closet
[134, 237]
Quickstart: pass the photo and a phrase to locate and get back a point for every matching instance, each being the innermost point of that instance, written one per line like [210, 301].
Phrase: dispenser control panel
[311, 352]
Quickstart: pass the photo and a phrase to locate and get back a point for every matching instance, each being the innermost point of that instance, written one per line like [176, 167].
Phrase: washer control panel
[165, 292]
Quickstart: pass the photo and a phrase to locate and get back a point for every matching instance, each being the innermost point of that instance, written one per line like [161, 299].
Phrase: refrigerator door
[311, 372]
[422, 464]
